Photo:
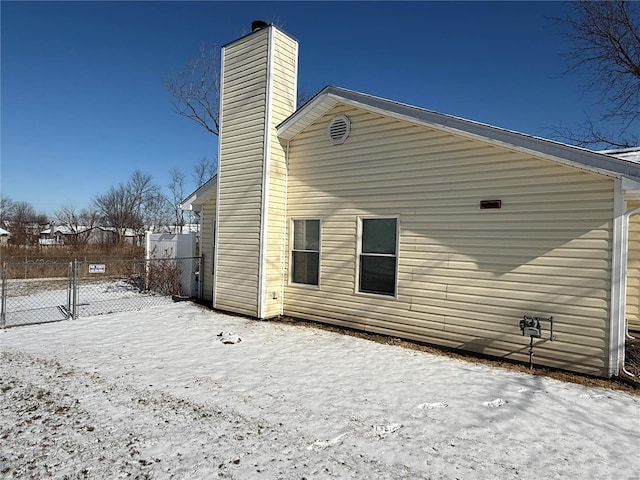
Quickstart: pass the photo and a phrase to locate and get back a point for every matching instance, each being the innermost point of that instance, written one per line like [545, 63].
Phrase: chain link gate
[70, 290]
[40, 295]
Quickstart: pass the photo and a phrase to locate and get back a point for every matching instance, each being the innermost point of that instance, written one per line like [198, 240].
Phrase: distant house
[66, 235]
[4, 236]
[25, 233]
[629, 154]
[54, 235]
[80, 235]
[367, 213]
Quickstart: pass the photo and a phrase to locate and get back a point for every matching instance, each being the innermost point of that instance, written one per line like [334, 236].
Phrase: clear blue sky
[84, 103]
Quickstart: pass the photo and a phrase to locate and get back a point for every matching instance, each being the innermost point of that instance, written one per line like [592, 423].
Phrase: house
[4, 236]
[56, 234]
[83, 235]
[367, 213]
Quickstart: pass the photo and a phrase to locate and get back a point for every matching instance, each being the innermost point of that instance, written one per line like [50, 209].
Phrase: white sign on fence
[97, 268]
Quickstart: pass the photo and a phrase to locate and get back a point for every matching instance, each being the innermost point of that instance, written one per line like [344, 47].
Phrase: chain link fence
[39, 292]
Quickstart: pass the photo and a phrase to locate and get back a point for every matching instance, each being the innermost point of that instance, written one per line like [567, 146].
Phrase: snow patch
[384, 430]
[530, 391]
[431, 406]
[498, 402]
[322, 444]
[229, 338]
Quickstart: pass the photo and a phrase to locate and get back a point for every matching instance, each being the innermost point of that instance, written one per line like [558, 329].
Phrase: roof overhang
[201, 195]
[581, 158]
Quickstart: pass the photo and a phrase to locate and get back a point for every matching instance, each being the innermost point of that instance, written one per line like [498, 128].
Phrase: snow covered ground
[46, 300]
[178, 391]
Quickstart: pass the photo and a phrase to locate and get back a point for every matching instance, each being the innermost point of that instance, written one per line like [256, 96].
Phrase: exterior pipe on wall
[627, 372]
[285, 251]
[619, 324]
[618, 282]
[627, 215]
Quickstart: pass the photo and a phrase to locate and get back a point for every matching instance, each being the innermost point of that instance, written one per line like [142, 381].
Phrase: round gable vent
[338, 129]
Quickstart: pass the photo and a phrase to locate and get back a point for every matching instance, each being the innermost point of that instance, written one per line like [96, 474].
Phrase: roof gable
[202, 194]
[331, 96]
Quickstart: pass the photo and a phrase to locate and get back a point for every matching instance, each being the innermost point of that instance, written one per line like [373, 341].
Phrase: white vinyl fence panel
[176, 246]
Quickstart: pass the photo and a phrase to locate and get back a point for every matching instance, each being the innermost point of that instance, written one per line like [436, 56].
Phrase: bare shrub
[163, 276]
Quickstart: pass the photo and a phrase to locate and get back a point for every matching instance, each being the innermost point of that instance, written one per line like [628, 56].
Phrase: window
[378, 256]
[305, 252]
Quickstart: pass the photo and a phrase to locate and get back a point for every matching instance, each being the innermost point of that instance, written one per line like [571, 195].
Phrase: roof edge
[330, 96]
[192, 199]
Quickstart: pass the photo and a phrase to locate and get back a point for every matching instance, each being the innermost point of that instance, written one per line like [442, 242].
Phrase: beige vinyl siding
[283, 102]
[633, 270]
[206, 247]
[466, 276]
[248, 103]
[241, 154]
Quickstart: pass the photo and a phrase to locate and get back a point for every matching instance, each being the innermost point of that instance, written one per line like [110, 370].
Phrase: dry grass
[633, 355]
[18, 253]
[52, 261]
[625, 384]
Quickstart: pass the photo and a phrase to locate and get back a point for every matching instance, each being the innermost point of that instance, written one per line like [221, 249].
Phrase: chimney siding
[258, 91]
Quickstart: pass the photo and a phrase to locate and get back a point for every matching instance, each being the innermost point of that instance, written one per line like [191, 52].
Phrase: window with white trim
[378, 256]
[305, 251]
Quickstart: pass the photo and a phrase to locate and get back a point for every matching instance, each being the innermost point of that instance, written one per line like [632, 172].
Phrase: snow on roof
[331, 96]
[629, 154]
[3, 232]
[67, 230]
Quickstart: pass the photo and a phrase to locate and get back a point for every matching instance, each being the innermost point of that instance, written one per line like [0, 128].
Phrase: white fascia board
[501, 138]
[580, 158]
[300, 120]
[200, 195]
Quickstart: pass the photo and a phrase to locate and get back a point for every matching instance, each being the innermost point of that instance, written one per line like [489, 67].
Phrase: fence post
[75, 289]
[3, 308]
[69, 287]
[200, 276]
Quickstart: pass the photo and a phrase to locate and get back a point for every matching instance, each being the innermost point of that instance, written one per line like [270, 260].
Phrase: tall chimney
[258, 92]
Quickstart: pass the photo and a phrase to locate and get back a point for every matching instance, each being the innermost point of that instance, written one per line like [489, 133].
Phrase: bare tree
[156, 213]
[116, 208]
[131, 206]
[606, 43]
[80, 224]
[26, 224]
[196, 90]
[176, 187]
[203, 171]
[7, 210]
